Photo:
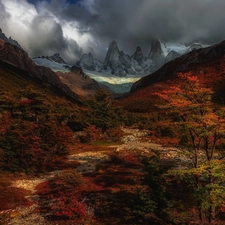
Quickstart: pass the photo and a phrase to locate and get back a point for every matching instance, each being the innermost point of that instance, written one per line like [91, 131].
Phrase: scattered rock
[89, 160]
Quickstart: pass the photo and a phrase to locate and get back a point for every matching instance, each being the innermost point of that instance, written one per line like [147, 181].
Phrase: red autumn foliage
[70, 206]
[5, 120]
[93, 133]
[11, 198]
[43, 188]
[130, 158]
[25, 101]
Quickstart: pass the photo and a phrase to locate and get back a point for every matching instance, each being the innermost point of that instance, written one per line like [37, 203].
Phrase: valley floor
[97, 165]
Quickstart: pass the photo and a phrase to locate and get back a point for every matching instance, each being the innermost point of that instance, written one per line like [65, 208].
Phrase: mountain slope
[54, 66]
[9, 40]
[208, 64]
[80, 83]
[16, 57]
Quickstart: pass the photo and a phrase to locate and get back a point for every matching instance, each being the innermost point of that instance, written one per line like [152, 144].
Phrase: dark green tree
[102, 111]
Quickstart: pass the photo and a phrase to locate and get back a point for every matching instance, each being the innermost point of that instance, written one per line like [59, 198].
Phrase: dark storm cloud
[49, 39]
[38, 30]
[4, 16]
[135, 22]
[71, 29]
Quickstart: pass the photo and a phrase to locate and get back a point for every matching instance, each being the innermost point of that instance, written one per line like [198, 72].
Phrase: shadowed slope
[208, 64]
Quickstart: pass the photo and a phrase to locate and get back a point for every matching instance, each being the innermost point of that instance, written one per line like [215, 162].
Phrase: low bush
[70, 206]
[70, 178]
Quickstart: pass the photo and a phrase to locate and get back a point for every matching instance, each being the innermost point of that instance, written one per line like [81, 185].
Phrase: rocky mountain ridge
[206, 63]
[74, 83]
[73, 76]
[121, 64]
[54, 58]
[196, 60]
[88, 62]
[9, 40]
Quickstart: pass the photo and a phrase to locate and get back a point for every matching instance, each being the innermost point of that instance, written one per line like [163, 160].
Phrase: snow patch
[50, 64]
[179, 47]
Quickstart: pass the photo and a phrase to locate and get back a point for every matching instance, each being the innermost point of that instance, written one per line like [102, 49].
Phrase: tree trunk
[212, 210]
[196, 158]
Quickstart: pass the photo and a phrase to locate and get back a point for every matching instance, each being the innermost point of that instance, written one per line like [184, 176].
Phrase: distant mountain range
[118, 63]
[117, 73]
[119, 70]
[121, 64]
[71, 81]
[73, 84]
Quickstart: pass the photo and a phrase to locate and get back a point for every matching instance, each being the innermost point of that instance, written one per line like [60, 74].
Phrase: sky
[75, 27]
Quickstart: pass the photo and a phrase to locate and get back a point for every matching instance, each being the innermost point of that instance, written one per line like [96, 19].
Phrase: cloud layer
[53, 26]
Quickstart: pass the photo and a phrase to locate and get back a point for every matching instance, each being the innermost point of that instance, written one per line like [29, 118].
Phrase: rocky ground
[134, 140]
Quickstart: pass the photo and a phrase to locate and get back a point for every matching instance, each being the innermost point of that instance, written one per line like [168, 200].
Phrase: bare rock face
[88, 62]
[112, 55]
[156, 54]
[122, 64]
[138, 56]
[56, 58]
[115, 60]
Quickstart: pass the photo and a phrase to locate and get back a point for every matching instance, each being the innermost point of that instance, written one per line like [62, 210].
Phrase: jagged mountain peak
[56, 58]
[113, 44]
[138, 55]
[90, 55]
[156, 54]
[88, 62]
[155, 48]
[138, 51]
[112, 55]
[119, 63]
[138, 48]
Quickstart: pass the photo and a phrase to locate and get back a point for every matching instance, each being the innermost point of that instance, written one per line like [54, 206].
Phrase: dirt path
[89, 160]
[139, 141]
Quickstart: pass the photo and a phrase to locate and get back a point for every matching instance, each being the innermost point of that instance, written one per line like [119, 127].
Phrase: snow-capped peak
[176, 47]
[179, 47]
